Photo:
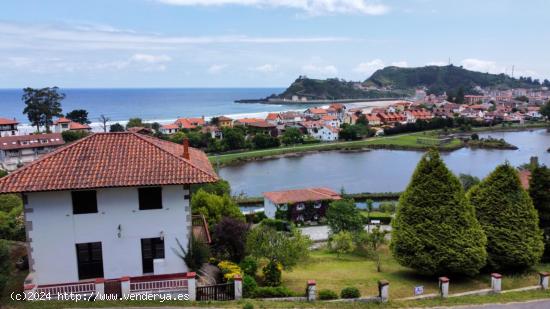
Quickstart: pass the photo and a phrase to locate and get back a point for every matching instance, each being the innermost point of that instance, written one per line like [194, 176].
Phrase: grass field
[402, 141]
[335, 273]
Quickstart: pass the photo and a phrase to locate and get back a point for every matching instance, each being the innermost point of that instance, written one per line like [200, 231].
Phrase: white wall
[269, 208]
[55, 231]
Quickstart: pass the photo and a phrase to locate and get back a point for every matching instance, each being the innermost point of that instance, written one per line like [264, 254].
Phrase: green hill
[443, 78]
[332, 88]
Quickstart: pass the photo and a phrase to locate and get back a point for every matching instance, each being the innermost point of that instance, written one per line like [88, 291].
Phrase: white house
[63, 124]
[169, 128]
[18, 150]
[325, 133]
[111, 206]
[8, 127]
[299, 205]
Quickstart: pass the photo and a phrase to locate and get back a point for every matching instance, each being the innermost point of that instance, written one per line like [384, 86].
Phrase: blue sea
[162, 105]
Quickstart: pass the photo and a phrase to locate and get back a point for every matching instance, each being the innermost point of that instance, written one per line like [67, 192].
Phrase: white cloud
[437, 63]
[75, 37]
[310, 7]
[265, 68]
[146, 58]
[369, 67]
[216, 68]
[482, 65]
[402, 64]
[324, 70]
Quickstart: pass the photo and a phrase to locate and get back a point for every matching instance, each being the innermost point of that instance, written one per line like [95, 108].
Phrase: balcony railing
[200, 229]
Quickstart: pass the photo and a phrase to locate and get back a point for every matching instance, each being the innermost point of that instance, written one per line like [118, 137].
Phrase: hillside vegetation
[332, 88]
[439, 79]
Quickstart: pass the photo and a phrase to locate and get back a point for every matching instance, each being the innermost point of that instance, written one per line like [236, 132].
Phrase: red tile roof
[6, 121]
[302, 195]
[189, 123]
[316, 111]
[224, 118]
[78, 126]
[31, 141]
[249, 120]
[104, 160]
[171, 126]
[62, 120]
[272, 116]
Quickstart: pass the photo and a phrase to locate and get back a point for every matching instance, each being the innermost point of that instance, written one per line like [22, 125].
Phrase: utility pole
[513, 71]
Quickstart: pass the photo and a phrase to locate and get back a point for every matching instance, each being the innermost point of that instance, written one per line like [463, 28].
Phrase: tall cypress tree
[435, 230]
[507, 215]
[539, 190]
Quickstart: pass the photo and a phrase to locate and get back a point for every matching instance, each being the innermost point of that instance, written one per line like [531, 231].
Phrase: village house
[141, 130]
[63, 124]
[320, 131]
[392, 118]
[247, 121]
[302, 205]
[262, 127]
[291, 118]
[373, 119]
[8, 127]
[225, 122]
[273, 118]
[110, 208]
[315, 113]
[331, 121]
[170, 128]
[18, 150]
[418, 114]
[190, 123]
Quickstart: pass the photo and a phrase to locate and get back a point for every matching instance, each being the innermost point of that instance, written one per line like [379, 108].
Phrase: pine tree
[539, 190]
[435, 230]
[509, 219]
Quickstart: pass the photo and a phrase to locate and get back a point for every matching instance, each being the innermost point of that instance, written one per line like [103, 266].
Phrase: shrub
[249, 286]
[71, 135]
[249, 266]
[277, 224]
[229, 270]
[350, 292]
[327, 295]
[509, 219]
[4, 264]
[214, 207]
[341, 243]
[269, 291]
[435, 230]
[255, 217]
[248, 306]
[229, 239]
[343, 215]
[539, 190]
[197, 253]
[272, 273]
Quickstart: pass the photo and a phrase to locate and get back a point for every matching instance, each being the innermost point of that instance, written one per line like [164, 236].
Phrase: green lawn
[402, 141]
[335, 273]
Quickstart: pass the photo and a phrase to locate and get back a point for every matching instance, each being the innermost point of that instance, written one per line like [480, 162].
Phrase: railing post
[496, 282]
[544, 280]
[125, 286]
[310, 290]
[383, 290]
[238, 286]
[30, 290]
[99, 287]
[192, 286]
[444, 287]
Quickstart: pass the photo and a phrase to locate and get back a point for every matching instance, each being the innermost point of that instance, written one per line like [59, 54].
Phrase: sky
[261, 43]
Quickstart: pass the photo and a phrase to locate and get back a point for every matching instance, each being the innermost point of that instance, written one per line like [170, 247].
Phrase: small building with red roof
[63, 124]
[8, 127]
[18, 150]
[301, 205]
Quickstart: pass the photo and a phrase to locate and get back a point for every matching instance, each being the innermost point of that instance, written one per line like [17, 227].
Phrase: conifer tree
[435, 230]
[509, 220]
[539, 190]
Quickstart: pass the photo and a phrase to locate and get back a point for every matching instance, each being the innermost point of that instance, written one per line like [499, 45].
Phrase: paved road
[536, 304]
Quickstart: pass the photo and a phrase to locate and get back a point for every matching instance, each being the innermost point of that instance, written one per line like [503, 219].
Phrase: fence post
[192, 286]
[383, 290]
[444, 287]
[238, 288]
[125, 286]
[30, 290]
[311, 287]
[496, 280]
[99, 287]
[544, 280]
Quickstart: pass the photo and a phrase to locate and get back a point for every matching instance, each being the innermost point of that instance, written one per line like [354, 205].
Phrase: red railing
[160, 283]
[87, 287]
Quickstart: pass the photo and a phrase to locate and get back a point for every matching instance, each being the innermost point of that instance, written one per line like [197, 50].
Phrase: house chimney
[186, 148]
